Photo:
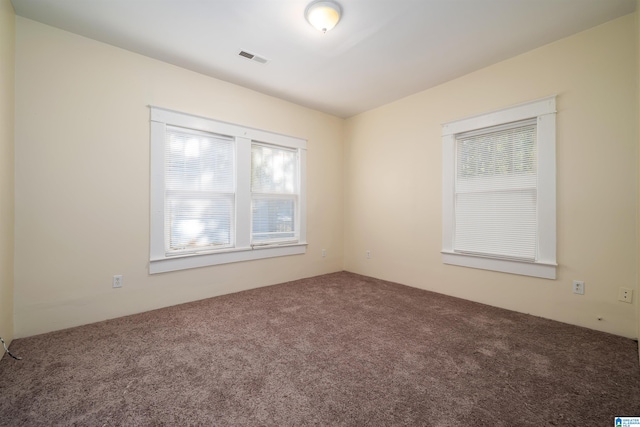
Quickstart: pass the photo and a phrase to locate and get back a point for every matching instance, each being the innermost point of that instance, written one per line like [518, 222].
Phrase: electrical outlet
[625, 295]
[117, 281]
[578, 287]
[324, 253]
[368, 254]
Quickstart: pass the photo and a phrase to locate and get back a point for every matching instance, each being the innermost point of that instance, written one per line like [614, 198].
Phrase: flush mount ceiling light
[323, 15]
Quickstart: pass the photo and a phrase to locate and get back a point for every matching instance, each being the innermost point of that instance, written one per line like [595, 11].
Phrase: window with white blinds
[219, 196]
[498, 194]
[274, 194]
[199, 190]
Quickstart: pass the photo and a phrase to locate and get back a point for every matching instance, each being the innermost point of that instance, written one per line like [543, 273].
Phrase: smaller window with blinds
[499, 190]
[274, 194]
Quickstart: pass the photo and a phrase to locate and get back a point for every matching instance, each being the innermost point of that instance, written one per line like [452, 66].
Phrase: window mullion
[302, 191]
[243, 193]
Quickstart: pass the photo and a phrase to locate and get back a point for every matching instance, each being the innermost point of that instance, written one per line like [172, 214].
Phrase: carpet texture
[334, 350]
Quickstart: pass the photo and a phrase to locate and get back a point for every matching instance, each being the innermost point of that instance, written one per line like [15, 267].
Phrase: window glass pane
[200, 223]
[505, 159]
[273, 219]
[198, 161]
[273, 169]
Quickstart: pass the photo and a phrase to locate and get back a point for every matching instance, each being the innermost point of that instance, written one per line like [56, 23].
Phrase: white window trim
[243, 251]
[544, 111]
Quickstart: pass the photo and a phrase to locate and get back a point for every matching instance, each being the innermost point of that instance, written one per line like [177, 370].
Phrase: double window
[499, 190]
[223, 193]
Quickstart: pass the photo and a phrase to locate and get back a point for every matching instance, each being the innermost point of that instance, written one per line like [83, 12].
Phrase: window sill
[534, 269]
[183, 262]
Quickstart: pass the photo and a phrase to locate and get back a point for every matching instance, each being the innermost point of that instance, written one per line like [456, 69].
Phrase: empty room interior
[231, 213]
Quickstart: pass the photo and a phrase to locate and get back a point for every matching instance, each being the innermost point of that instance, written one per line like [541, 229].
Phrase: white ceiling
[380, 51]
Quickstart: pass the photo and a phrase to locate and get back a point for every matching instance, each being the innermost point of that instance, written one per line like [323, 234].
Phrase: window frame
[544, 111]
[244, 137]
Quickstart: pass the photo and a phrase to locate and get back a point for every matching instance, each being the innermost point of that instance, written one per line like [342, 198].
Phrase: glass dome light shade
[323, 15]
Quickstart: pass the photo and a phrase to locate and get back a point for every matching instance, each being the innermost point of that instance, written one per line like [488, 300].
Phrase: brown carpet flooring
[333, 350]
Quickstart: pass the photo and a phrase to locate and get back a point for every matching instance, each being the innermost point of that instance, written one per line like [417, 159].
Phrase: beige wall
[7, 64]
[393, 180]
[82, 180]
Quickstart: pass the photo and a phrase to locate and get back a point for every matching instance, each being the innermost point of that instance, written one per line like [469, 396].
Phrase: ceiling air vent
[253, 57]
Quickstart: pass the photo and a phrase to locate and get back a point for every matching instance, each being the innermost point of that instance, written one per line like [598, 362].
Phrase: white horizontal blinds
[495, 192]
[274, 194]
[199, 191]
